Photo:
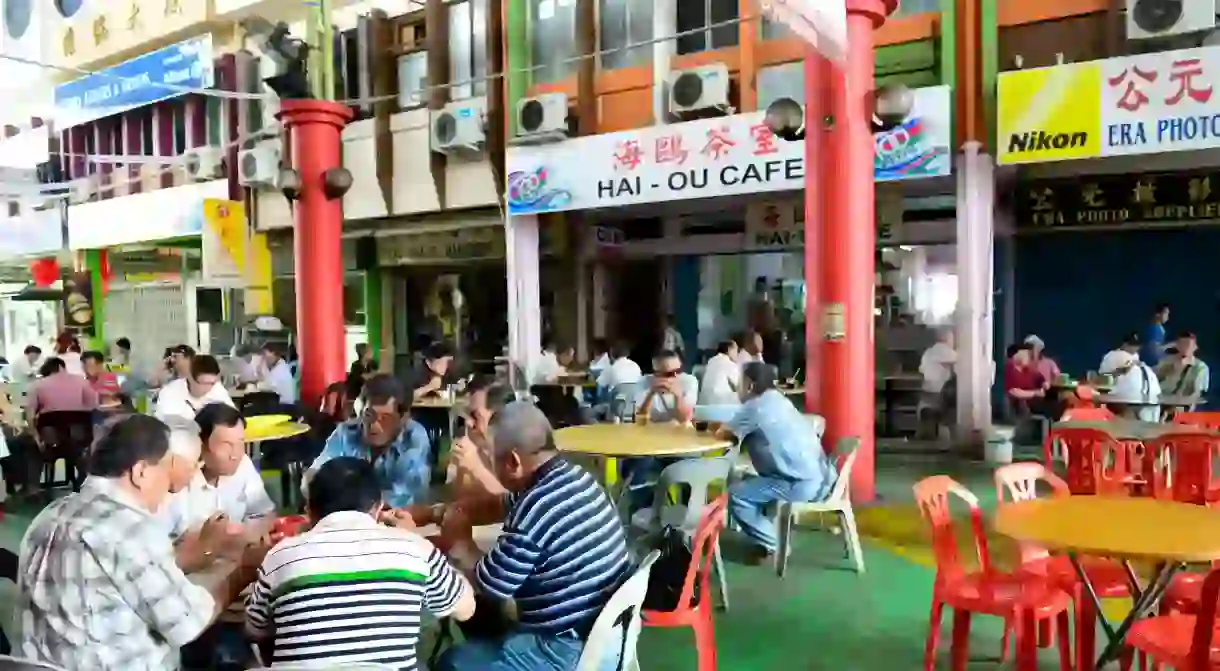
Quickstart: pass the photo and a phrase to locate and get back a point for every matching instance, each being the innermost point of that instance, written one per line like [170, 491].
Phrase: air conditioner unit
[81, 191]
[259, 167]
[1161, 18]
[699, 89]
[542, 119]
[458, 128]
[204, 163]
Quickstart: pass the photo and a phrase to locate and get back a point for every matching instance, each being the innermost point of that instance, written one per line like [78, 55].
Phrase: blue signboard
[137, 82]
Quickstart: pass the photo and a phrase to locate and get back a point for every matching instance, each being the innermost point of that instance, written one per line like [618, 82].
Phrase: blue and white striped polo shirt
[562, 554]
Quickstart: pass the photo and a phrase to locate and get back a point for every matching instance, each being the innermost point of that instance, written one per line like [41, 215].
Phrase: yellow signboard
[231, 251]
[1049, 114]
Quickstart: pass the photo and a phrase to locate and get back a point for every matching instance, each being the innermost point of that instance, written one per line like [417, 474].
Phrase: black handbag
[668, 574]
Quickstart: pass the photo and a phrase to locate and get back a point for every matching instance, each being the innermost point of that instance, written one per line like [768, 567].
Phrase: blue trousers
[521, 651]
[750, 498]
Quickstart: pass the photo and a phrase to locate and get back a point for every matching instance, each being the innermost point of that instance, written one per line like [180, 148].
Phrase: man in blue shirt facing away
[1154, 336]
[385, 435]
[785, 451]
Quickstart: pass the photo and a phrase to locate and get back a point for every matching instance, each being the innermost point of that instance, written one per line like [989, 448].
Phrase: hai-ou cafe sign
[726, 156]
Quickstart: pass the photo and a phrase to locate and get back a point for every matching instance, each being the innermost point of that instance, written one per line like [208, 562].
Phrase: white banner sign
[728, 156]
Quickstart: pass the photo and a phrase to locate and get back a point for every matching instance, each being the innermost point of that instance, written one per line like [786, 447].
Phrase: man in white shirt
[622, 371]
[601, 356]
[1118, 360]
[228, 486]
[279, 377]
[1137, 388]
[721, 377]
[185, 397]
[750, 348]
[554, 362]
[936, 364]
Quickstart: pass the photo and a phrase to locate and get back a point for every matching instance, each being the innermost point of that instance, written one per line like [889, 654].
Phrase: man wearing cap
[560, 558]
[1045, 365]
[1118, 360]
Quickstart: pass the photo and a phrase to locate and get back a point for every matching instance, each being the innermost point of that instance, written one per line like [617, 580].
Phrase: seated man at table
[386, 436]
[351, 589]
[228, 487]
[554, 362]
[99, 588]
[1182, 373]
[668, 396]
[1024, 386]
[430, 375]
[561, 556]
[185, 396]
[471, 456]
[1137, 391]
[1118, 360]
[785, 451]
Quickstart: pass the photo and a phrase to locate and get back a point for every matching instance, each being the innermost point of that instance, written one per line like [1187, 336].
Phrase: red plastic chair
[1185, 475]
[1087, 413]
[1108, 577]
[1182, 642]
[1022, 600]
[1207, 420]
[1081, 447]
[697, 616]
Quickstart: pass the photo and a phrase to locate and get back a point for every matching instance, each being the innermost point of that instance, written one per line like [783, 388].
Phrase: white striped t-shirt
[350, 590]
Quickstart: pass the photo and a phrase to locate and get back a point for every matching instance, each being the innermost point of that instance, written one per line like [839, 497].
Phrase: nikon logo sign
[1039, 140]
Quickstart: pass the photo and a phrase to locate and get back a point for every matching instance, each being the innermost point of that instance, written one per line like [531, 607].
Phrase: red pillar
[848, 246]
[314, 127]
[816, 109]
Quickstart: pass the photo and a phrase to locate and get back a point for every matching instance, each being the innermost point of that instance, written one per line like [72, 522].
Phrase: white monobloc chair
[8, 663]
[698, 474]
[838, 503]
[621, 613]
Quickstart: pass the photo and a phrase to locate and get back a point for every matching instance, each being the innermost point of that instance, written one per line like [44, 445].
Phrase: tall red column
[848, 247]
[314, 127]
[816, 108]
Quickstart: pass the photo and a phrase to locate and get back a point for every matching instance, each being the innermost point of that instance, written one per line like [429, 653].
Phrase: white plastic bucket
[997, 445]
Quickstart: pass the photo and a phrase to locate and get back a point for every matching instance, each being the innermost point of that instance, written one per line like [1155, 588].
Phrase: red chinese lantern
[103, 269]
[45, 272]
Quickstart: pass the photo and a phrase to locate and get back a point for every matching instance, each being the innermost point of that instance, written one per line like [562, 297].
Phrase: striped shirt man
[562, 553]
[351, 590]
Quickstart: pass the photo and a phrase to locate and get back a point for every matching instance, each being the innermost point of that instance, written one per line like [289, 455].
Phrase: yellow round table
[1168, 533]
[277, 432]
[635, 440]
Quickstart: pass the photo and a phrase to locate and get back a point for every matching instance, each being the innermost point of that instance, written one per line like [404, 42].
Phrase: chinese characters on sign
[717, 146]
[724, 156]
[1119, 199]
[1160, 101]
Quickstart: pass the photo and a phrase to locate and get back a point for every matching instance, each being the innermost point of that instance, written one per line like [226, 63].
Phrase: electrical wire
[354, 102]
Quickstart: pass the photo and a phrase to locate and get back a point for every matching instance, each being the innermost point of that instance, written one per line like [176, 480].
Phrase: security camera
[786, 118]
[892, 104]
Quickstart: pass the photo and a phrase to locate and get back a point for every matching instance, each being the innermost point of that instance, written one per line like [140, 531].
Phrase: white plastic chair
[839, 503]
[8, 663]
[627, 602]
[698, 474]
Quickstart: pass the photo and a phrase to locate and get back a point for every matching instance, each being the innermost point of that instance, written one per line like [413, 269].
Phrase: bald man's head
[186, 450]
[522, 441]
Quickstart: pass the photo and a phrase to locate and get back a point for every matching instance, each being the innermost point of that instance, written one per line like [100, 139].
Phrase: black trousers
[23, 466]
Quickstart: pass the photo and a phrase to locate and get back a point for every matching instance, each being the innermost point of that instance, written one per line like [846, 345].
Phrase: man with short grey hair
[561, 555]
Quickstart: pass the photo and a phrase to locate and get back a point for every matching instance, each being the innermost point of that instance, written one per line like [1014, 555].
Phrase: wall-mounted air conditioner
[459, 127]
[542, 119]
[259, 167]
[1162, 18]
[203, 164]
[699, 89]
[81, 191]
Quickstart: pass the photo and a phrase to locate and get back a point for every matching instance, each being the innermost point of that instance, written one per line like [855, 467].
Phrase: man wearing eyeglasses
[386, 436]
[666, 396]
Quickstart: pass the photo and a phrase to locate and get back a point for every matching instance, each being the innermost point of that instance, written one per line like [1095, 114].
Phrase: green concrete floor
[821, 616]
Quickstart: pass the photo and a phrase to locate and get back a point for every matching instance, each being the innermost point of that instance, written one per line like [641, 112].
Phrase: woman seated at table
[786, 453]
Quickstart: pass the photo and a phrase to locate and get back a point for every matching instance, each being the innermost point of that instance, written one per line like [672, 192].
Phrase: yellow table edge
[286, 430]
[1012, 520]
